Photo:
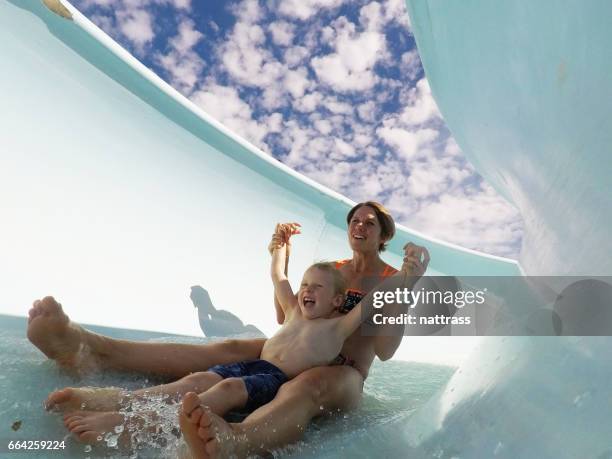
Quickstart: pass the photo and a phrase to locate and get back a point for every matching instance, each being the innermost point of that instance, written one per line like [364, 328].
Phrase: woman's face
[364, 230]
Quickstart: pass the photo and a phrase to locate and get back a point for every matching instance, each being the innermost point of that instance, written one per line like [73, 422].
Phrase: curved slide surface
[524, 88]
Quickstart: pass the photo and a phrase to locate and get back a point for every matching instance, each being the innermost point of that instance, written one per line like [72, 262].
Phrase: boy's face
[317, 296]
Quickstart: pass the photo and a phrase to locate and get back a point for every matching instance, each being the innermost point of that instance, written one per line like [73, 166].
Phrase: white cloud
[136, 25]
[480, 220]
[296, 82]
[323, 126]
[248, 11]
[407, 143]
[181, 62]
[351, 66]
[295, 55]
[343, 148]
[282, 32]
[375, 16]
[367, 111]
[224, 104]
[371, 16]
[181, 4]
[421, 106]
[410, 64]
[274, 122]
[187, 37]
[304, 9]
[309, 102]
[336, 106]
[132, 19]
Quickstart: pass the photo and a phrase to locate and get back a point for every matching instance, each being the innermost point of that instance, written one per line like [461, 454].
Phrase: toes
[76, 414]
[79, 427]
[190, 402]
[69, 419]
[195, 415]
[90, 437]
[205, 434]
[34, 311]
[211, 447]
[205, 419]
[73, 423]
[57, 397]
[50, 306]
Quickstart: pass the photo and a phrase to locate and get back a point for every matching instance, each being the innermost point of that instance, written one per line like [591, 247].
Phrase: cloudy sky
[334, 89]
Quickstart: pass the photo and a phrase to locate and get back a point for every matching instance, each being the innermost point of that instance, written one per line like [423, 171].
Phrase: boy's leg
[78, 349]
[229, 394]
[114, 399]
[196, 382]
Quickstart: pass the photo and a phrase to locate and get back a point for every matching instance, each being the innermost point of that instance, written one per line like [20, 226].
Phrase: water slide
[118, 195]
[524, 87]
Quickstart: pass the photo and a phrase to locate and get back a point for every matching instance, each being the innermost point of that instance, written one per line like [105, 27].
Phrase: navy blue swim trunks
[261, 378]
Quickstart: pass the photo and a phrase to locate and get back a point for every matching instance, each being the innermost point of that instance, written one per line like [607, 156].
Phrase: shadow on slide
[218, 322]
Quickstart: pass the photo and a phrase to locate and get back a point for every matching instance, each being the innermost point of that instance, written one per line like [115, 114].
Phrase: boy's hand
[282, 234]
[416, 260]
[286, 230]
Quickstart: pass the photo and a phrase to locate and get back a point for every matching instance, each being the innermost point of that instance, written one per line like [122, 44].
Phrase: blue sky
[332, 88]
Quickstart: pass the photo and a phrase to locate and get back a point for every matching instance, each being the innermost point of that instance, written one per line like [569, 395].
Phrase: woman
[298, 401]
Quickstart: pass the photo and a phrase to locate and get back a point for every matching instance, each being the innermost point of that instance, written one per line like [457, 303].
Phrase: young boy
[308, 338]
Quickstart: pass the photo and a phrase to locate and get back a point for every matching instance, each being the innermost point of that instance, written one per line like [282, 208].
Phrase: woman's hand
[282, 234]
[416, 260]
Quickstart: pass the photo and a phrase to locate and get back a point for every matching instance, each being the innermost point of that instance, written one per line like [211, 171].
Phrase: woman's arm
[389, 337]
[416, 260]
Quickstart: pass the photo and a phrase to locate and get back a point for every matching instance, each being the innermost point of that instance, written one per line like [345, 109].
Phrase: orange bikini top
[354, 296]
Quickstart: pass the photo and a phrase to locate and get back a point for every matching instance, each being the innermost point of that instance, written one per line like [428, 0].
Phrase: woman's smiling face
[364, 231]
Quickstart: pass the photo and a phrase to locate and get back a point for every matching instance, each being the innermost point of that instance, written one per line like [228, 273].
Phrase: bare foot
[92, 427]
[51, 331]
[189, 418]
[86, 398]
[206, 434]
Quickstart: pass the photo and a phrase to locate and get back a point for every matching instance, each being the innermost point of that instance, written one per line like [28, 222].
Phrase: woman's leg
[283, 420]
[76, 348]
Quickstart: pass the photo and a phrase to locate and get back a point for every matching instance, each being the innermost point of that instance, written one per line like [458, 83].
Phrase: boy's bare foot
[206, 434]
[91, 427]
[51, 331]
[86, 398]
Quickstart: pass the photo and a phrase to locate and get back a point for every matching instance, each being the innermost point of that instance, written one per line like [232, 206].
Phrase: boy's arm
[280, 314]
[281, 236]
[282, 287]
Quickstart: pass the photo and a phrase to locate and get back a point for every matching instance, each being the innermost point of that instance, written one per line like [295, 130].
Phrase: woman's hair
[339, 281]
[387, 225]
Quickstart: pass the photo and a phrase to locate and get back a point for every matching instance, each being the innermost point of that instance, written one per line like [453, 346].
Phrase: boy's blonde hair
[339, 281]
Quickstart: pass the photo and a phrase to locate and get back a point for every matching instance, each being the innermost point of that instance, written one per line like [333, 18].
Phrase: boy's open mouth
[308, 301]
